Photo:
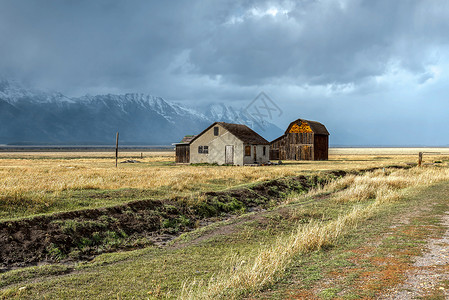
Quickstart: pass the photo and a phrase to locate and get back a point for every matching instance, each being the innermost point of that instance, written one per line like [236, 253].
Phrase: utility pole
[116, 150]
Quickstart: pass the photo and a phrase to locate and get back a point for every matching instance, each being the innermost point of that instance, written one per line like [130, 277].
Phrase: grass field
[42, 182]
[251, 254]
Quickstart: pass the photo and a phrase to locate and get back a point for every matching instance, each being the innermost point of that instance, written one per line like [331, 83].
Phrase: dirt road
[429, 275]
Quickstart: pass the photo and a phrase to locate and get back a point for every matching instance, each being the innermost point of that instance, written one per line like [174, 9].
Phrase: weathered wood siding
[293, 146]
[182, 153]
[274, 154]
[300, 146]
[321, 148]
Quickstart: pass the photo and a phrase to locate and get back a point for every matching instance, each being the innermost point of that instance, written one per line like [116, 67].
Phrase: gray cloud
[325, 42]
[350, 58]
[127, 44]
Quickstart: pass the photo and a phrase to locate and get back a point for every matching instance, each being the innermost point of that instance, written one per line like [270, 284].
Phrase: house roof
[187, 139]
[316, 127]
[242, 132]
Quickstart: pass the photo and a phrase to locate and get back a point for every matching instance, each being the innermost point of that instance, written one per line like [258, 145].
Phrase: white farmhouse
[225, 143]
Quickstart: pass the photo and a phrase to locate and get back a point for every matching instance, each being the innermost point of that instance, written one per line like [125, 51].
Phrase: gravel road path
[430, 272]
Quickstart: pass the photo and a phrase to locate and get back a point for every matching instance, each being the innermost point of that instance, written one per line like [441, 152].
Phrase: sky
[375, 72]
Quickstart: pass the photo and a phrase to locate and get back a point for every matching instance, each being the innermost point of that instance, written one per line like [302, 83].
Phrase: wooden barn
[224, 143]
[303, 140]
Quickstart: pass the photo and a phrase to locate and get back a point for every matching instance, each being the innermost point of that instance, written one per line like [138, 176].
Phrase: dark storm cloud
[349, 63]
[95, 42]
[130, 44]
[325, 41]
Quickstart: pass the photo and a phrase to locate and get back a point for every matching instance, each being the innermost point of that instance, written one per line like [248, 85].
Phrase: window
[216, 130]
[264, 150]
[247, 150]
[203, 149]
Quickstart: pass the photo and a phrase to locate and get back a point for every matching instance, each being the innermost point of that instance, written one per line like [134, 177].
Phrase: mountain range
[29, 116]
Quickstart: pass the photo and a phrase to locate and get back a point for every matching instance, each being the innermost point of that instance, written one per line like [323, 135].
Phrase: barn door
[274, 154]
[229, 155]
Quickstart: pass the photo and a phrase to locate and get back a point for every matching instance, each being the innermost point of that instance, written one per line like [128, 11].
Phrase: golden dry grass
[266, 267]
[36, 176]
[38, 173]
[390, 151]
[56, 171]
[383, 185]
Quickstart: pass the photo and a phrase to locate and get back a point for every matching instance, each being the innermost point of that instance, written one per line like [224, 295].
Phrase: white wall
[259, 154]
[216, 146]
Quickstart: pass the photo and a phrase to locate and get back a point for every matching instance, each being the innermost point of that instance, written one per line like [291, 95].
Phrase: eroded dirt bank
[82, 234]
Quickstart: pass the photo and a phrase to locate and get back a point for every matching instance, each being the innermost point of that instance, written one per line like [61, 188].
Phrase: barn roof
[278, 138]
[242, 132]
[316, 127]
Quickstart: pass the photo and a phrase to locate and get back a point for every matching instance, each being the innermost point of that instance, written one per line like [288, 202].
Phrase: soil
[82, 234]
[429, 272]
[407, 261]
[30, 241]
[79, 235]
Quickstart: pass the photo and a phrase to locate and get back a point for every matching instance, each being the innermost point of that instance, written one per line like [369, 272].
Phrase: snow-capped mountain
[34, 116]
[14, 93]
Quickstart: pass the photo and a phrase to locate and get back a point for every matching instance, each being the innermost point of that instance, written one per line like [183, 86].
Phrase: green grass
[152, 270]
[21, 275]
[155, 272]
[25, 205]
[327, 273]
[162, 271]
